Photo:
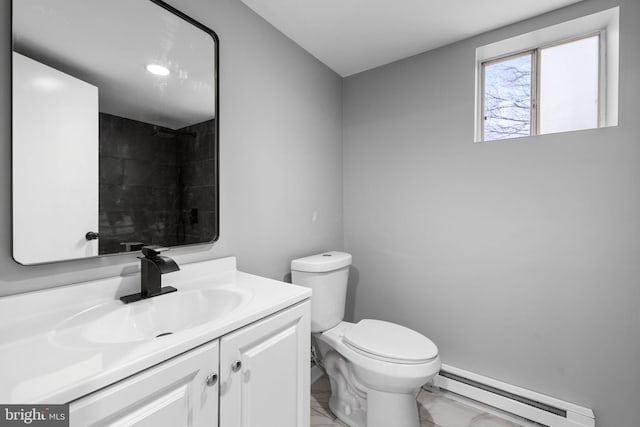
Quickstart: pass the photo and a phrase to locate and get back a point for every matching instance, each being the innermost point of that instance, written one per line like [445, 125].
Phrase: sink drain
[163, 334]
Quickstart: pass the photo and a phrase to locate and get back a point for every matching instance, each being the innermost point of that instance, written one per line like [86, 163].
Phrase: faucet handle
[153, 251]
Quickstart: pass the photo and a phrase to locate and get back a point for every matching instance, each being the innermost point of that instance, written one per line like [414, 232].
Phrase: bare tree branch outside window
[507, 98]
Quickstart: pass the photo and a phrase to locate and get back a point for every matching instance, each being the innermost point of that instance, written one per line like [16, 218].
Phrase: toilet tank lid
[322, 263]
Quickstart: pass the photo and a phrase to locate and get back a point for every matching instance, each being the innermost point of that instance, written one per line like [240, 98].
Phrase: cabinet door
[264, 369]
[172, 394]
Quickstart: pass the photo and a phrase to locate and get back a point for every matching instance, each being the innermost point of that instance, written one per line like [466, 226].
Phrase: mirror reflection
[114, 128]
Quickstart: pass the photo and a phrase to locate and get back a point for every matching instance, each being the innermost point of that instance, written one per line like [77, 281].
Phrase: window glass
[507, 98]
[569, 75]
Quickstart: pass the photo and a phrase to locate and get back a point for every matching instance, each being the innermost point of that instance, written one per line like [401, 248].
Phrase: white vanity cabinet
[174, 393]
[264, 372]
[262, 380]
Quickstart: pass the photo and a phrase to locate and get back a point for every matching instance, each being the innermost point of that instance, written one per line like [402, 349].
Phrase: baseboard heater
[527, 404]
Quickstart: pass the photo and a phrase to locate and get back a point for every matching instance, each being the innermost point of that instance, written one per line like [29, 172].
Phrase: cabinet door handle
[212, 379]
[235, 366]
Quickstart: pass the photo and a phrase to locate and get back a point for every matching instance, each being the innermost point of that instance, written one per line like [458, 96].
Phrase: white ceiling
[351, 36]
[109, 43]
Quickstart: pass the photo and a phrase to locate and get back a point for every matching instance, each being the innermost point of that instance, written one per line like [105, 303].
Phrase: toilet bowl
[376, 386]
[375, 368]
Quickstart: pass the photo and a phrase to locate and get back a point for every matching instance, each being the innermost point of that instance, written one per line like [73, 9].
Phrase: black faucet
[152, 267]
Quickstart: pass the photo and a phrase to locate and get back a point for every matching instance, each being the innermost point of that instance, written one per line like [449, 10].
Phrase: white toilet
[376, 368]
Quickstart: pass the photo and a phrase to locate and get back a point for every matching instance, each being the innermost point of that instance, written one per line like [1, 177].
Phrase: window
[508, 104]
[550, 80]
[569, 86]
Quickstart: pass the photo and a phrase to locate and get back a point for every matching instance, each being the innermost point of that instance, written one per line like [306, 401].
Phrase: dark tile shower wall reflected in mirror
[157, 185]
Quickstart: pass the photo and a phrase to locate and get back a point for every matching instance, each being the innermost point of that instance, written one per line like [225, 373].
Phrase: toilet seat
[390, 342]
[388, 376]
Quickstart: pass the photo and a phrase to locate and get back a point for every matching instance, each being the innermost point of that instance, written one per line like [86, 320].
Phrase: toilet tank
[327, 275]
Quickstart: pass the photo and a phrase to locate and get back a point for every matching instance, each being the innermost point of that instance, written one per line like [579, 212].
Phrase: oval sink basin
[116, 322]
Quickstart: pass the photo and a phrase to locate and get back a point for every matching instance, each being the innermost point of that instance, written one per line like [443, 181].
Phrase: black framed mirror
[115, 128]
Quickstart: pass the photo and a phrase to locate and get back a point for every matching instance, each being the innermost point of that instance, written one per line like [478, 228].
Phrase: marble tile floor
[436, 410]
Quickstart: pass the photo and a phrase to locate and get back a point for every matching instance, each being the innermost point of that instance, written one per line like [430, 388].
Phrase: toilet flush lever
[236, 366]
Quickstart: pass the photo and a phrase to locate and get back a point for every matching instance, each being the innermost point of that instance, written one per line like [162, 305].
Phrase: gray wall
[281, 155]
[520, 259]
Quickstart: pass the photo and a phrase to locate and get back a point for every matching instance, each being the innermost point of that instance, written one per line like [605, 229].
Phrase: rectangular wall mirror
[115, 128]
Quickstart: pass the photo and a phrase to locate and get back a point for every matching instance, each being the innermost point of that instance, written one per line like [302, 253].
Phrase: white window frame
[605, 24]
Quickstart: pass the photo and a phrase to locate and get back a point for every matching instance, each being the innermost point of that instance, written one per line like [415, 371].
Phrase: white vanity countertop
[35, 368]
